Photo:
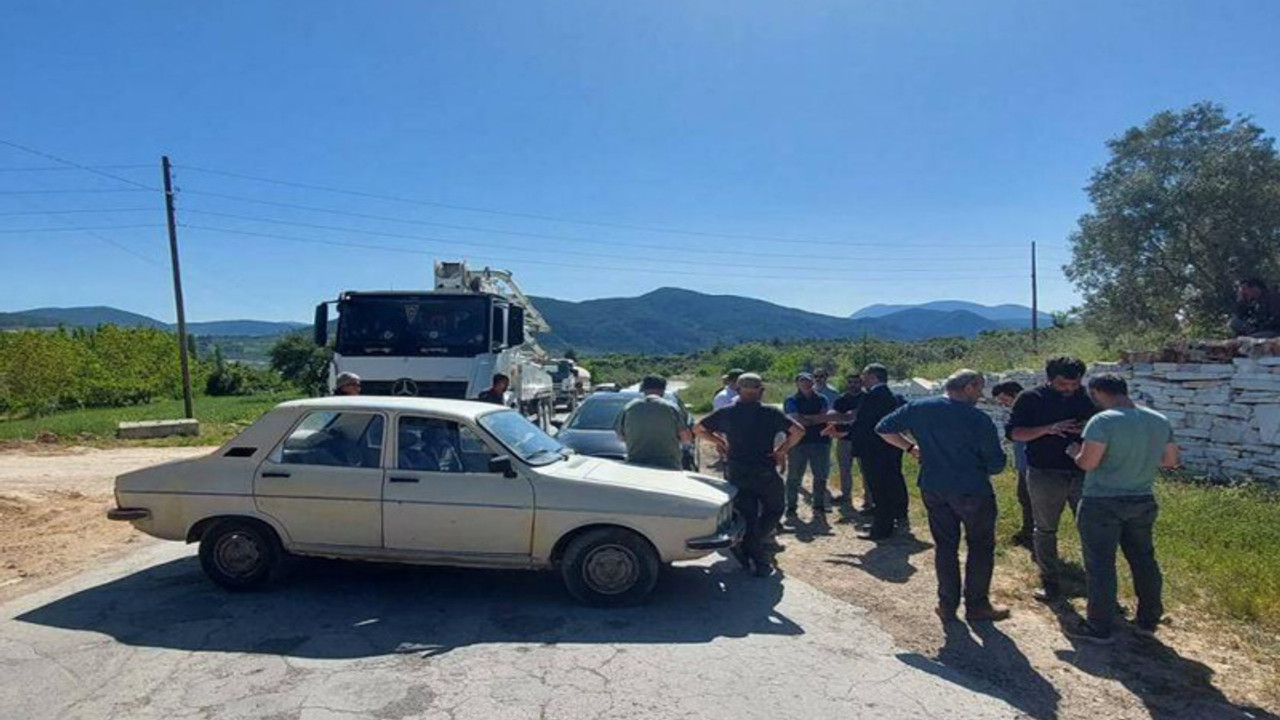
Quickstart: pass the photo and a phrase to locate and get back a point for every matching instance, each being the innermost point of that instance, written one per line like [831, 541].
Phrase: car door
[440, 496]
[323, 482]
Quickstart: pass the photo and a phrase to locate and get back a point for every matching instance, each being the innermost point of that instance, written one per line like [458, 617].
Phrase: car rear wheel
[609, 567]
[240, 554]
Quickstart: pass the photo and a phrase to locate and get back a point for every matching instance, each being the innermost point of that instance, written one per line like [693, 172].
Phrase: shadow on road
[991, 664]
[887, 560]
[334, 609]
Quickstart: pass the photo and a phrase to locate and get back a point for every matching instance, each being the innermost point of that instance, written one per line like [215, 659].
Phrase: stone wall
[1223, 399]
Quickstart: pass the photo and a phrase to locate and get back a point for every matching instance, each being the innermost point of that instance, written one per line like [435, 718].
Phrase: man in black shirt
[1048, 419]
[497, 392]
[881, 462]
[847, 404]
[746, 433]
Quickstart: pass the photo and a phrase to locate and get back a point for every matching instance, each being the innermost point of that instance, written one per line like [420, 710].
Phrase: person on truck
[347, 383]
[497, 392]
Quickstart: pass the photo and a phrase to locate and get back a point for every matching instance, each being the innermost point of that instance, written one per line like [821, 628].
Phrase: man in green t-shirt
[1124, 446]
[653, 428]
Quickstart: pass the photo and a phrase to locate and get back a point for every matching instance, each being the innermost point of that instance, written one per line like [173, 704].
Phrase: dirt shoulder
[1192, 671]
[53, 503]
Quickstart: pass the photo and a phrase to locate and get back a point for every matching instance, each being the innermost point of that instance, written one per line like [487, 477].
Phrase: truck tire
[609, 567]
[240, 554]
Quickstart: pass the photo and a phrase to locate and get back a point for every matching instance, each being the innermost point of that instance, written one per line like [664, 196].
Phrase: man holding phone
[1049, 418]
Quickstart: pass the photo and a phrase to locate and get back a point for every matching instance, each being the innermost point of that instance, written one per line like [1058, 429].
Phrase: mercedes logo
[404, 386]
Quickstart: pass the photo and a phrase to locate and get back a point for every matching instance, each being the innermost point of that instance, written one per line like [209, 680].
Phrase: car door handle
[274, 474]
[403, 479]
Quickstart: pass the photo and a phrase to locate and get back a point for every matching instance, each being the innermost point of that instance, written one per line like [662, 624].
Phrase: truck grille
[433, 389]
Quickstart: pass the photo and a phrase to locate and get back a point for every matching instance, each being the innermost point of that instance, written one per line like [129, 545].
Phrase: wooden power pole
[187, 404]
[1035, 303]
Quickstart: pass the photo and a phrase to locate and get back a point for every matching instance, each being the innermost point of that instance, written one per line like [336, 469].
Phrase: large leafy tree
[1187, 205]
[301, 362]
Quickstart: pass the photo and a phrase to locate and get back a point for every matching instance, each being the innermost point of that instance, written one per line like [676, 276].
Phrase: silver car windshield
[522, 438]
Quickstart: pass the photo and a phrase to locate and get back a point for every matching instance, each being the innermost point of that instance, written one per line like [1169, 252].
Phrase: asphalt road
[150, 637]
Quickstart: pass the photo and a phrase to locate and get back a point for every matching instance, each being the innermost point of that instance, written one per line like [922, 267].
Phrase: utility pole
[1035, 306]
[177, 288]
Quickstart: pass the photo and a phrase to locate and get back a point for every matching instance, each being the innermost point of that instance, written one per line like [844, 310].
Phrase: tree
[301, 362]
[1187, 205]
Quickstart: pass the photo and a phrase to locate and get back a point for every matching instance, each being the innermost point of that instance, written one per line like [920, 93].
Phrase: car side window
[334, 439]
[435, 445]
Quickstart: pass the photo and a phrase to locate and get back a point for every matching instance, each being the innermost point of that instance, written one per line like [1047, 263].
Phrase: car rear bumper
[727, 537]
[128, 514]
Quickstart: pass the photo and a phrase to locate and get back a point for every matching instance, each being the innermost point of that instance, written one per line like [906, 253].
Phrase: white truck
[445, 343]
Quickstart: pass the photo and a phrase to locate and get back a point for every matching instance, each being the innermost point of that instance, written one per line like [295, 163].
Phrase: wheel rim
[611, 569]
[238, 554]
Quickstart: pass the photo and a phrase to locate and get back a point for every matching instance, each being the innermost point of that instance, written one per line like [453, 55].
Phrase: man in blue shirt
[959, 450]
[810, 410]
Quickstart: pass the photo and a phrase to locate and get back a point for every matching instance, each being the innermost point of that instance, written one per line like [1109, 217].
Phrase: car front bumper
[726, 537]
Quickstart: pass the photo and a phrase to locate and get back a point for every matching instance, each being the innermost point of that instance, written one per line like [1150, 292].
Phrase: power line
[75, 212]
[75, 191]
[60, 168]
[79, 229]
[534, 216]
[506, 249]
[545, 236]
[495, 259]
[73, 164]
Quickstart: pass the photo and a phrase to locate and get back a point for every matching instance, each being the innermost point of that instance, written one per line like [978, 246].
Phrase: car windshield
[524, 439]
[598, 413]
[413, 325]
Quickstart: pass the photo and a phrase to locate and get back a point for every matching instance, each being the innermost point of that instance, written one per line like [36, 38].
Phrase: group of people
[1091, 450]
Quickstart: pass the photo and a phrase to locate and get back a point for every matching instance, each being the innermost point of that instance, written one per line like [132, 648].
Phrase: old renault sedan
[421, 480]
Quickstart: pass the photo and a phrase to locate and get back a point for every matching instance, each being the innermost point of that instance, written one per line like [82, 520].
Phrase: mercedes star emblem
[405, 386]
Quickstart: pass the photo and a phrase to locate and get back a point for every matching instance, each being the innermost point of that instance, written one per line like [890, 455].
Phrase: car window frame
[278, 447]
[485, 439]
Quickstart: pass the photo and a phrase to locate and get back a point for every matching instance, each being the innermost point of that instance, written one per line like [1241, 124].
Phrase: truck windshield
[524, 439]
[413, 325]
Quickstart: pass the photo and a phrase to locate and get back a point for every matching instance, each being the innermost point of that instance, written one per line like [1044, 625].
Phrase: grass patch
[220, 419]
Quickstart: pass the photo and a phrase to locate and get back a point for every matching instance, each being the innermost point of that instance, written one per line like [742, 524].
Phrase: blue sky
[908, 151]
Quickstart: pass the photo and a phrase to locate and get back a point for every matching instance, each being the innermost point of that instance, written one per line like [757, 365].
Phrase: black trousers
[882, 469]
[759, 501]
[976, 516]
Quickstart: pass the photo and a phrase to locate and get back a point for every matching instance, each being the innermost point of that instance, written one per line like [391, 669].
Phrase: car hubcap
[238, 554]
[611, 569]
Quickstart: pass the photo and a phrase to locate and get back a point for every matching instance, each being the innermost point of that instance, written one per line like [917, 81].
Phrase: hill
[1012, 316]
[93, 316]
[672, 320]
[243, 328]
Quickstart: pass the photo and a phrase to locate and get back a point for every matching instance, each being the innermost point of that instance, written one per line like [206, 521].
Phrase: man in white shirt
[729, 393]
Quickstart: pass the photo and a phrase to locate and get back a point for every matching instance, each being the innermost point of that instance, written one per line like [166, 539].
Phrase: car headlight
[726, 514]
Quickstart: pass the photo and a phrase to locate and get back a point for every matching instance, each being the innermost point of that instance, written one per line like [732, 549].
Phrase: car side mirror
[320, 330]
[502, 464]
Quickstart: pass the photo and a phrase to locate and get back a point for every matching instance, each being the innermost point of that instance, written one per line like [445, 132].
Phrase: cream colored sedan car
[437, 482]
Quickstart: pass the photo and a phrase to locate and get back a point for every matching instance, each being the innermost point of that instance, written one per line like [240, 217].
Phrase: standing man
[729, 392]
[847, 404]
[347, 383]
[881, 462]
[1049, 418]
[653, 429]
[820, 379]
[959, 450]
[746, 432]
[1123, 447]
[1005, 393]
[1257, 310]
[497, 392]
[810, 410]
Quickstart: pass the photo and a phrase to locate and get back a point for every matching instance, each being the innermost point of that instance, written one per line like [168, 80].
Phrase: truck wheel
[609, 567]
[240, 554]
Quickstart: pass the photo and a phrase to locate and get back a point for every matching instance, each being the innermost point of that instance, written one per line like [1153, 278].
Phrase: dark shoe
[821, 509]
[1047, 594]
[1022, 539]
[741, 556]
[873, 535]
[1145, 628]
[946, 615]
[764, 567]
[987, 613]
[790, 514]
[1086, 631]
[867, 510]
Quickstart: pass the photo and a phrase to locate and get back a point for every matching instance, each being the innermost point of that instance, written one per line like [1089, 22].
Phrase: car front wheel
[609, 567]
[239, 554]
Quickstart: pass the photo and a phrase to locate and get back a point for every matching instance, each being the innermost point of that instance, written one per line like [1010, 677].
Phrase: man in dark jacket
[497, 392]
[1049, 418]
[959, 451]
[881, 462]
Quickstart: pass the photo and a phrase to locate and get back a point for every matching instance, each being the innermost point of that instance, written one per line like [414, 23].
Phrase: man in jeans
[1048, 418]
[811, 410]
[959, 450]
[847, 404]
[1005, 394]
[1123, 447]
[746, 433]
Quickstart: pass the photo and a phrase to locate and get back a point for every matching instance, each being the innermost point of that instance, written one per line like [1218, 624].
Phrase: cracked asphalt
[150, 637]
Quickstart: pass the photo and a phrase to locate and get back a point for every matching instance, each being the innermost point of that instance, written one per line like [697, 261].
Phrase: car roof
[461, 409]
[624, 394]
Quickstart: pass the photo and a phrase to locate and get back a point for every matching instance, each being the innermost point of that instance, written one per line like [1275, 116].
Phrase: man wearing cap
[746, 432]
[653, 429]
[347, 383]
[810, 410]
